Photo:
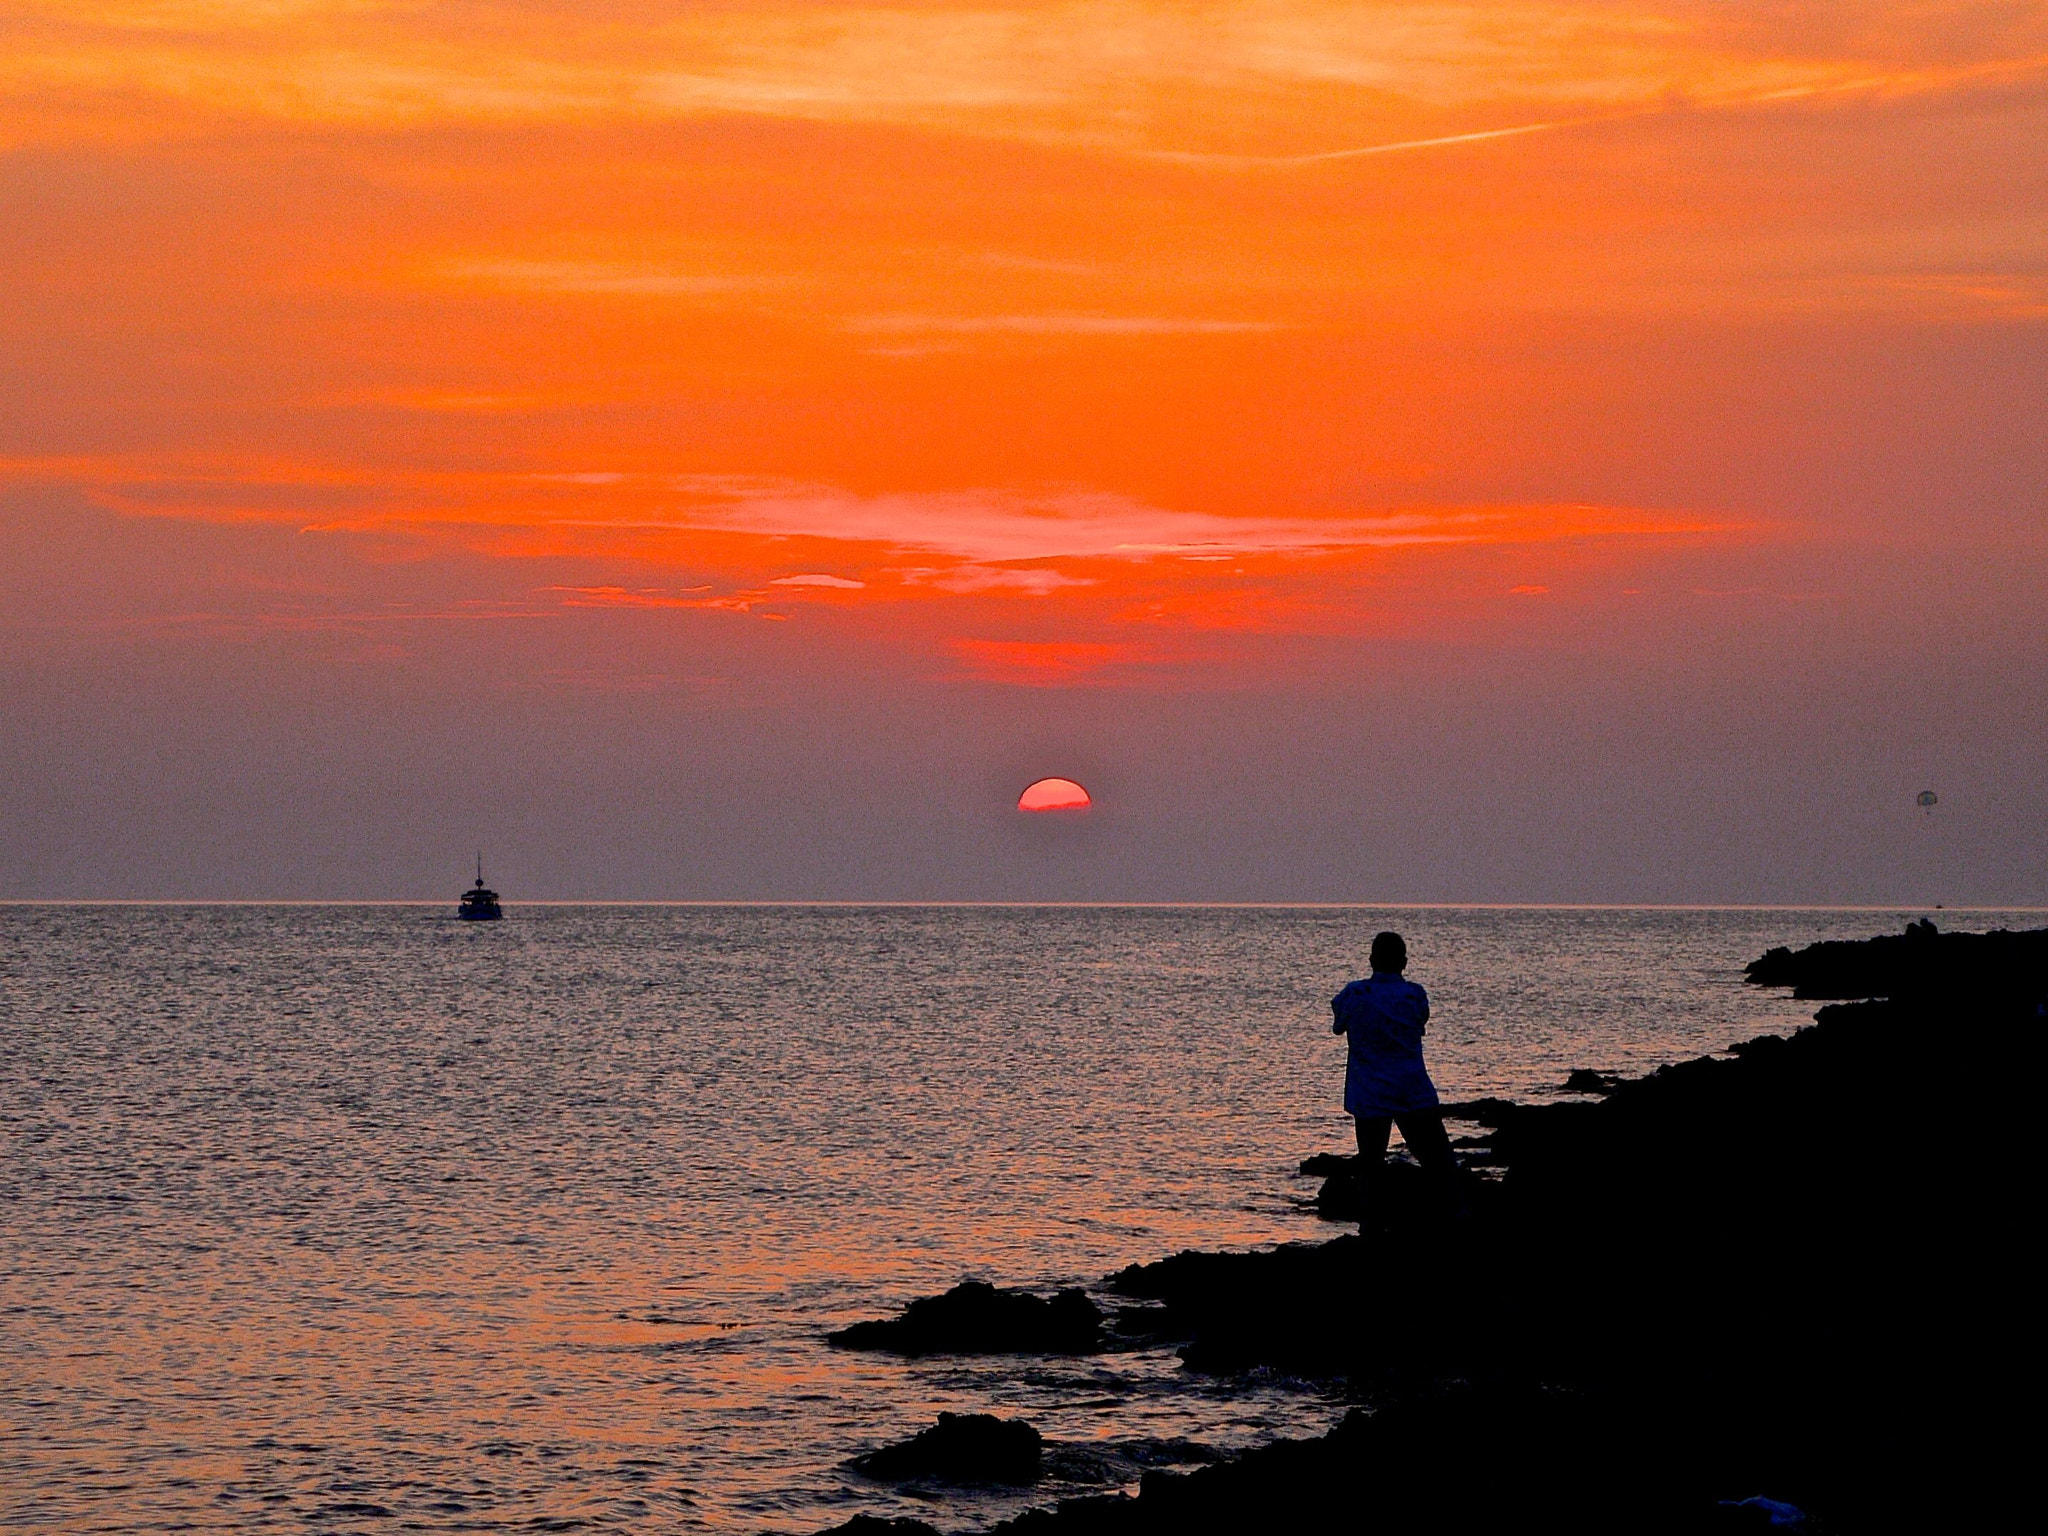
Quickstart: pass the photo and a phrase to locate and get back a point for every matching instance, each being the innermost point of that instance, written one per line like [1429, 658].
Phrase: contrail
[1191, 157]
[1915, 82]
[1401, 144]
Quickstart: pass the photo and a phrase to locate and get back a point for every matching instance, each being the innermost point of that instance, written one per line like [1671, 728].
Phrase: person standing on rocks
[1385, 1082]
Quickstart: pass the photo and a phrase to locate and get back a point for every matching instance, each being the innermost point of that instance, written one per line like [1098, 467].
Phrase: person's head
[1389, 953]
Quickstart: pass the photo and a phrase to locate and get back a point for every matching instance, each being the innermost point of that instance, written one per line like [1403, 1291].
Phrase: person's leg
[1373, 1131]
[1424, 1133]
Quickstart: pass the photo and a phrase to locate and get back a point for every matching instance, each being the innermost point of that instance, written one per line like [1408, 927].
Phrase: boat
[479, 903]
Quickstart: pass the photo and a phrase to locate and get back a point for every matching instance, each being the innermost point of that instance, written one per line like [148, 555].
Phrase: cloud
[991, 528]
[1117, 73]
[1995, 296]
[627, 597]
[459, 401]
[1036, 581]
[1394, 147]
[839, 582]
[1053, 325]
[999, 539]
[595, 277]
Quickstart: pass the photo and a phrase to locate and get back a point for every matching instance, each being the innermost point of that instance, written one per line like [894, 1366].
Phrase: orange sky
[1125, 349]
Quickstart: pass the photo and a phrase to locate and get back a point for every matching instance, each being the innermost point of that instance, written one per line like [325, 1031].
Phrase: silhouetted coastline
[1773, 1290]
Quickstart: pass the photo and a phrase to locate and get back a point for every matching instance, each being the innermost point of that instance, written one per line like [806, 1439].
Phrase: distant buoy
[1927, 800]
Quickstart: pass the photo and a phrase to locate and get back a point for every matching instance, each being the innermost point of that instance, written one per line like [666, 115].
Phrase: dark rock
[875, 1525]
[1339, 1198]
[1399, 1193]
[1189, 1274]
[1144, 1324]
[1586, 1080]
[1177, 1452]
[960, 1448]
[1324, 1164]
[1239, 1310]
[975, 1318]
[1999, 967]
[1490, 1112]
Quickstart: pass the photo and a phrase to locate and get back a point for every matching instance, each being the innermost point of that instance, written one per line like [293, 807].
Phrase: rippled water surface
[362, 1218]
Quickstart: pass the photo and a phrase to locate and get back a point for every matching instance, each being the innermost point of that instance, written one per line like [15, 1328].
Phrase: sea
[362, 1218]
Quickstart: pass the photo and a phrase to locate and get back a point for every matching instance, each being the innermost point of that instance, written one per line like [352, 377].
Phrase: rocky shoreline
[1781, 1289]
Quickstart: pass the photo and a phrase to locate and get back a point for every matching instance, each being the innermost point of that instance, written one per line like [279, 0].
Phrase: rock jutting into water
[1586, 1080]
[960, 1448]
[1740, 1293]
[1482, 1111]
[1999, 968]
[975, 1318]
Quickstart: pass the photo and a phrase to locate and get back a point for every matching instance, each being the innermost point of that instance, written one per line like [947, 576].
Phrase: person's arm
[1340, 1024]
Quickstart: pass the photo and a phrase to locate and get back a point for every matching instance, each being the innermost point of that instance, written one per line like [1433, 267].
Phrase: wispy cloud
[1054, 325]
[1116, 73]
[1364, 151]
[1034, 581]
[996, 538]
[2013, 296]
[990, 528]
[612, 596]
[460, 402]
[596, 277]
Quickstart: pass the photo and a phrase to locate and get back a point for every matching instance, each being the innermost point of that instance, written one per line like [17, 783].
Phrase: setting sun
[1054, 795]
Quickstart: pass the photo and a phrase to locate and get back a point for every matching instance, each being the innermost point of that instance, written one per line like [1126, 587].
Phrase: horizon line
[764, 902]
